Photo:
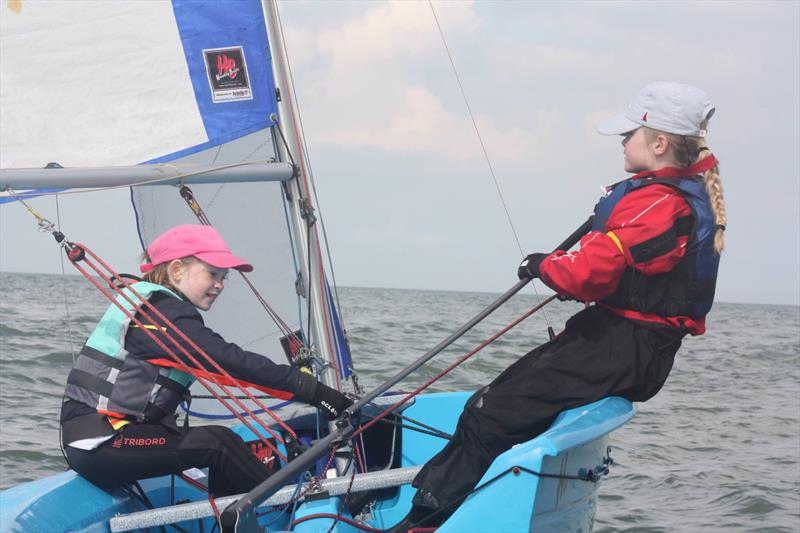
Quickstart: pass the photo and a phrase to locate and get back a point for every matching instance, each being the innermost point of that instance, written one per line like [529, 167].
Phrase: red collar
[676, 172]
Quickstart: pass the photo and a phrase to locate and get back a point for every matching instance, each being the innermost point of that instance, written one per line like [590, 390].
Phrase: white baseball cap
[664, 106]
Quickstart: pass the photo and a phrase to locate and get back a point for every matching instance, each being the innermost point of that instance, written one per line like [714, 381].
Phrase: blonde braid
[714, 188]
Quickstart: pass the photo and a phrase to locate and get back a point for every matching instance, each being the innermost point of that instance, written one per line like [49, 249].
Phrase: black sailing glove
[330, 402]
[529, 268]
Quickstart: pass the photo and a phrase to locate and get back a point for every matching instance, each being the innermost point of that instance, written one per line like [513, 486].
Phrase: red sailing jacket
[593, 272]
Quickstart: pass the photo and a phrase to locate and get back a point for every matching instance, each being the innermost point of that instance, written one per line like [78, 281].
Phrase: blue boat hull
[517, 499]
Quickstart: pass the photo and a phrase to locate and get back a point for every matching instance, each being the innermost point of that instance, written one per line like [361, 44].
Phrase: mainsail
[189, 81]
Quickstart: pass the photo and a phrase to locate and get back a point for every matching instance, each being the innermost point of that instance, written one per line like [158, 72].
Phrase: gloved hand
[330, 401]
[529, 268]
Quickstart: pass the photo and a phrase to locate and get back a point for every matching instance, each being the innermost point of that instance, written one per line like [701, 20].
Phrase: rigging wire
[483, 149]
[67, 317]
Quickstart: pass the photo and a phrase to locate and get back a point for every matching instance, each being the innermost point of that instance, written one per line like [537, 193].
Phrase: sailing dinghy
[191, 102]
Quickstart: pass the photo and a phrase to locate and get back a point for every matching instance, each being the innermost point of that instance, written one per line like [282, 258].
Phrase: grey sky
[405, 191]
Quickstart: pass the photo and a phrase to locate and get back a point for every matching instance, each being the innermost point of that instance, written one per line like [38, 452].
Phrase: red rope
[193, 482]
[360, 457]
[451, 367]
[214, 507]
[74, 258]
[341, 518]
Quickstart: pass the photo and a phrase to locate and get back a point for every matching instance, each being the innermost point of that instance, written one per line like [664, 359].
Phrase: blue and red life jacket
[688, 289]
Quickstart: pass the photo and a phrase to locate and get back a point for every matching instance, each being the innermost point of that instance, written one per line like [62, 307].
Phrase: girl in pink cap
[649, 266]
[118, 420]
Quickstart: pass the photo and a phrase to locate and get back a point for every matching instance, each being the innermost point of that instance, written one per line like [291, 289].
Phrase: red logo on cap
[644, 117]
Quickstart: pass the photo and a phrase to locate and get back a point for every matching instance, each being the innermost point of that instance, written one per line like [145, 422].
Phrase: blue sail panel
[343, 358]
[229, 62]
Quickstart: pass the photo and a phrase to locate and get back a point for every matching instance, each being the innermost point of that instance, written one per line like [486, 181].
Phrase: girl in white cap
[118, 418]
[649, 265]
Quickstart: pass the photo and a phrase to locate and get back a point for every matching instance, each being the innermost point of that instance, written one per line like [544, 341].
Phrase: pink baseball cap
[203, 242]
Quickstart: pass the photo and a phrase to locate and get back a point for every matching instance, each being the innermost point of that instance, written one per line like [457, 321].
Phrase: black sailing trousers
[599, 354]
[140, 451]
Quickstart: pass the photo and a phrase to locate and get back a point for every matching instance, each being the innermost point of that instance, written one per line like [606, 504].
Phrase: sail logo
[226, 70]
[226, 67]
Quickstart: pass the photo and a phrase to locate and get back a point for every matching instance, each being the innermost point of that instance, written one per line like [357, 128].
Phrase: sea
[718, 449]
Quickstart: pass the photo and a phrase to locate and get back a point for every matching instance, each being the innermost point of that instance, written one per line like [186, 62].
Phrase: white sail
[93, 84]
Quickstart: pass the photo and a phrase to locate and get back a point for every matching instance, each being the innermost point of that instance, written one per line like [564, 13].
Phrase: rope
[485, 152]
[214, 507]
[349, 521]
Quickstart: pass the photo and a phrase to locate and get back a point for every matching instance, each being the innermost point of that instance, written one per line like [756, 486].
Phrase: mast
[312, 278]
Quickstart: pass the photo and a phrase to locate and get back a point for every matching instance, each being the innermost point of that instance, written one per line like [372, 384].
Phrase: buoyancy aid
[108, 378]
[688, 289]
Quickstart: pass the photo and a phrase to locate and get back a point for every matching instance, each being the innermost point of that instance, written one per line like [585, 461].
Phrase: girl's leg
[142, 451]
